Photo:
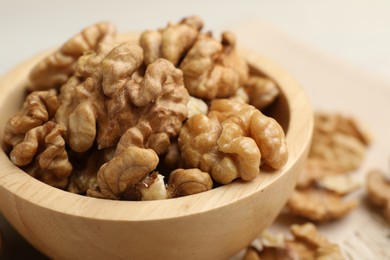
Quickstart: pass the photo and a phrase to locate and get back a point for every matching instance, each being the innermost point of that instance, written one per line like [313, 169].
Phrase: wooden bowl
[210, 225]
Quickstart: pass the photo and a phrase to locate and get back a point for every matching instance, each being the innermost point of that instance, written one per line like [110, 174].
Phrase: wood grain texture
[211, 225]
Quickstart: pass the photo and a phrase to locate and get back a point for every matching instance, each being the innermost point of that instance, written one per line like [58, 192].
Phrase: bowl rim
[31, 190]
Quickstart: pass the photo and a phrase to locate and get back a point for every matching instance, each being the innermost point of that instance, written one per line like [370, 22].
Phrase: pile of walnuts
[113, 119]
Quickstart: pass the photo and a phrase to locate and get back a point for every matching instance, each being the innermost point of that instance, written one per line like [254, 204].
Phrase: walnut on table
[378, 191]
[171, 42]
[319, 204]
[338, 147]
[306, 243]
[231, 141]
[57, 68]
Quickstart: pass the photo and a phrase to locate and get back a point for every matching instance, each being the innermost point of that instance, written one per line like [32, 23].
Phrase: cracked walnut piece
[214, 69]
[38, 108]
[231, 141]
[172, 42]
[43, 154]
[54, 70]
[378, 190]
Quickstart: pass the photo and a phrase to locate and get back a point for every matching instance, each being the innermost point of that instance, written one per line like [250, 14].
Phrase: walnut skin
[184, 182]
[38, 108]
[43, 153]
[214, 69]
[172, 42]
[54, 70]
[230, 144]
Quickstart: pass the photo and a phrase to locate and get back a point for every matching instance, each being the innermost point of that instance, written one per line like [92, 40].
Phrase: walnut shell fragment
[171, 42]
[231, 140]
[378, 191]
[214, 69]
[319, 205]
[57, 68]
[43, 155]
[38, 108]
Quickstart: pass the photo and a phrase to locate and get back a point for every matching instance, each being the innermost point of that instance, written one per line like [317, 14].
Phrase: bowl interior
[291, 110]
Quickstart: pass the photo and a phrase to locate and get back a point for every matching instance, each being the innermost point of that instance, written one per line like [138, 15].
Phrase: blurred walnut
[43, 155]
[214, 69]
[184, 182]
[105, 86]
[171, 42]
[230, 142]
[319, 205]
[261, 91]
[38, 108]
[378, 190]
[339, 140]
[240, 96]
[306, 243]
[55, 69]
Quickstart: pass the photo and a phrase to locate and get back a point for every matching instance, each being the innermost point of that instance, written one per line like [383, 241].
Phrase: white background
[357, 31]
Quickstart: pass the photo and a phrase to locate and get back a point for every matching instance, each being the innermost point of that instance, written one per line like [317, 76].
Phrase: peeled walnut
[230, 144]
[184, 182]
[378, 190]
[42, 154]
[155, 103]
[38, 108]
[261, 91]
[57, 68]
[319, 205]
[214, 69]
[171, 42]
